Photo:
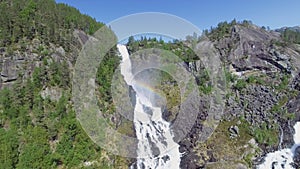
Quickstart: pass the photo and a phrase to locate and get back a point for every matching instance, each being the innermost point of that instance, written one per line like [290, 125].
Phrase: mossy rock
[221, 148]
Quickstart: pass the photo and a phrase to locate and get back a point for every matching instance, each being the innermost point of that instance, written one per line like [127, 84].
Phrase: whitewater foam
[151, 129]
[282, 159]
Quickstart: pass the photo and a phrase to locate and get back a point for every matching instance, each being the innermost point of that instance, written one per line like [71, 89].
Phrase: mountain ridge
[38, 125]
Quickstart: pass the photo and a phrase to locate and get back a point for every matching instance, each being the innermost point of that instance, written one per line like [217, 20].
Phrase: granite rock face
[19, 64]
[9, 70]
[248, 51]
[251, 48]
[251, 52]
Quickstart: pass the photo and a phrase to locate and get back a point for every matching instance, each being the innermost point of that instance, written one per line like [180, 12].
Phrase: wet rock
[294, 107]
[297, 158]
[185, 146]
[288, 134]
[234, 131]
[189, 162]
[132, 96]
[166, 158]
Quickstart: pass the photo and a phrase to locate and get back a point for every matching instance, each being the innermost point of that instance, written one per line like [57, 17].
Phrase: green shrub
[240, 84]
[263, 135]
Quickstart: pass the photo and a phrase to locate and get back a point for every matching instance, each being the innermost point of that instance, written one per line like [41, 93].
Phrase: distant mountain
[294, 28]
[290, 34]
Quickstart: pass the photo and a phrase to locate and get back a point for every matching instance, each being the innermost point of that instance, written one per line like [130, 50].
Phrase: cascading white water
[282, 159]
[151, 129]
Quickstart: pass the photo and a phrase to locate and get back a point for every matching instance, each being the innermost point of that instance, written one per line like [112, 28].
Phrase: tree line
[44, 19]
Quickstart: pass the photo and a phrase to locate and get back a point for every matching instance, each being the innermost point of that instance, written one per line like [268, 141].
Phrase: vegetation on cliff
[38, 126]
[28, 19]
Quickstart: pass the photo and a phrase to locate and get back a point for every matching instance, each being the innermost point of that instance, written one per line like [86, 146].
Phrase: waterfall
[156, 147]
[283, 158]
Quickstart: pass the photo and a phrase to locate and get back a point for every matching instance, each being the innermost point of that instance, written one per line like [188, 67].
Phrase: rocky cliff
[262, 83]
[262, 96]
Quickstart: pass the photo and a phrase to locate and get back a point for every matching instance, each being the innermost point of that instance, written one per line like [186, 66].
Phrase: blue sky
[202, 13]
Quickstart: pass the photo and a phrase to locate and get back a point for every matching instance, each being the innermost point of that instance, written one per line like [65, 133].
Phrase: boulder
[53, 93]
[9, 71]
[297, 158]
[234, 131]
